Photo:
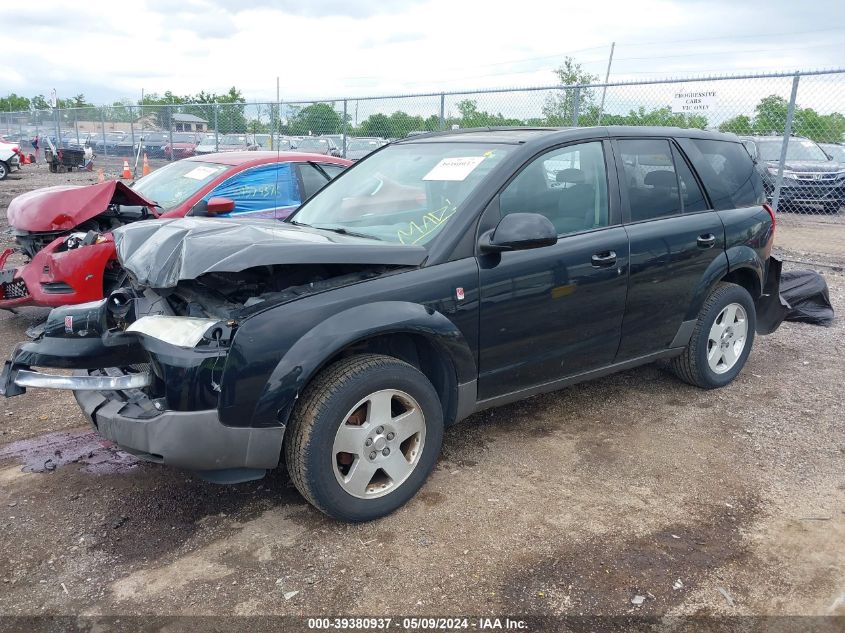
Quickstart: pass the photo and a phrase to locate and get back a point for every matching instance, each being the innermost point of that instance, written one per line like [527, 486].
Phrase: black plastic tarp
[805, 292]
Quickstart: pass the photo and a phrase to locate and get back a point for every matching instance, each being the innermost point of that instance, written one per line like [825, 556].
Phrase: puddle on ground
[48, 452]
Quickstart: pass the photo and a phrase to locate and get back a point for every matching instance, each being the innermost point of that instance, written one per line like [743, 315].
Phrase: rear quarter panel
[749, 234]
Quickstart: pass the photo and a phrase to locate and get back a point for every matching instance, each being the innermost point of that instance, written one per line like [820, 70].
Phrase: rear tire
[364, 437]
[721, 341]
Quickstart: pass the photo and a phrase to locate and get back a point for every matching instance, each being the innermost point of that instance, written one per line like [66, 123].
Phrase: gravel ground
[730, 502]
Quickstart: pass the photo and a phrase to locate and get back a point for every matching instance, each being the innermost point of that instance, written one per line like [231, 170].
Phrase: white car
[10, 158]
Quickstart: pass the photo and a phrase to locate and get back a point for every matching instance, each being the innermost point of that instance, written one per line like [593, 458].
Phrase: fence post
[344, 128]
[170, 129]
[132, 138]
[216, 132]
[442, 111]
[576, 105]
[272, 127]
[58, 128]
[787, 132]
[76, 126]
[103, 123]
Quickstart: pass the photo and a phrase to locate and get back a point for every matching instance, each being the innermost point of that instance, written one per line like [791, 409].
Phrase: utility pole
[606, 79]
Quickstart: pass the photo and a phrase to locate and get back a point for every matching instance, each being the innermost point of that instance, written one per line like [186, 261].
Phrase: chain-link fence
[792, 124]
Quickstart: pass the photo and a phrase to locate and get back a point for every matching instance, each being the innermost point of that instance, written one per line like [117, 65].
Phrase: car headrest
[661, 178]
[570, 176]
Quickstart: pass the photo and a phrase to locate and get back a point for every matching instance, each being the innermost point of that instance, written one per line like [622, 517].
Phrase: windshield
[837, 152]
[405, 193]
[184, 138]
[155, 137]
[232, 139]
[313, 143]
[795, 150]
[358, 145]
[172, 184]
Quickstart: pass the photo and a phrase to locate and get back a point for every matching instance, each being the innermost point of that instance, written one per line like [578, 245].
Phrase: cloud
[332, 48]
[314, 8]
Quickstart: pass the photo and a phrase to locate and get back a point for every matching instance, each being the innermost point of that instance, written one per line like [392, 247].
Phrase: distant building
[188, 123]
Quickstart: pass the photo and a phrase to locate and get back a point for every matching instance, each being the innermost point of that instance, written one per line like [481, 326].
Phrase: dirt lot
[724, 502]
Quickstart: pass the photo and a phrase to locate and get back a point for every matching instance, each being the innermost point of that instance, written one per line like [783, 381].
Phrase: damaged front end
[146, 379]
[148, 363]
[65, 234]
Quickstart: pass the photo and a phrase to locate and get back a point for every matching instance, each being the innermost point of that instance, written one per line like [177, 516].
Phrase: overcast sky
[110, 50]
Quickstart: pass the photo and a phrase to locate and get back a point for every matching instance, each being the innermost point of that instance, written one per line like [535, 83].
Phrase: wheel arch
[418, 335]
[740, 265]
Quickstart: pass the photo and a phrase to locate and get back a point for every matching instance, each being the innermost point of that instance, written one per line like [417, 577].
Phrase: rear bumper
[58, 277]
[194, 440]
[769, 306]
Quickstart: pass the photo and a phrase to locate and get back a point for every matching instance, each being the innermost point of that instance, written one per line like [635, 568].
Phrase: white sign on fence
[693, 102]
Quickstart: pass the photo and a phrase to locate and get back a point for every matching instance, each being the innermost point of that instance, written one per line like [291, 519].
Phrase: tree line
[770, 113]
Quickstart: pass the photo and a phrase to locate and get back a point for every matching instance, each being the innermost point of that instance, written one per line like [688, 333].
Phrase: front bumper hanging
[14, 380]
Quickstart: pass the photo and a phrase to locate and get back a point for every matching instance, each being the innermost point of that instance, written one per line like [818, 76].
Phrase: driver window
[567, 185]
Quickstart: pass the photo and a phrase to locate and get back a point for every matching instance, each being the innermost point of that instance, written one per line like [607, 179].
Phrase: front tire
[721, 341]
[364, 437]
[4, 170]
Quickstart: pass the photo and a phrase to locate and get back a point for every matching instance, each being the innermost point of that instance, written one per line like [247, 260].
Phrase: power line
[636, 44]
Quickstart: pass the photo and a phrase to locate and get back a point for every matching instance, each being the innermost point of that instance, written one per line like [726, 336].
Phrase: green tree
[770, 115]
[740, 124]
[560, 106]
[471, 116]
[375, 125]
[824, 128]
[656, 116]
[317, 118]
[14, 103]
[38, 102]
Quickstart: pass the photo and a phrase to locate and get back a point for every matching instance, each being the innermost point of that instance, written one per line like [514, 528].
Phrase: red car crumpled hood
[64, 207]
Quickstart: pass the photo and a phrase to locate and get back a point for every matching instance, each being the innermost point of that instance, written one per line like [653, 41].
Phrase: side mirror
[219, 205]
[518, 232]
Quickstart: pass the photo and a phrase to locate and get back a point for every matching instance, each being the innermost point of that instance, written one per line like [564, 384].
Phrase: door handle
[708, 240]
[602, 260]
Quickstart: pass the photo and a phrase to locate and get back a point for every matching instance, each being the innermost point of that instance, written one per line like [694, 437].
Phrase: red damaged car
[65, 231]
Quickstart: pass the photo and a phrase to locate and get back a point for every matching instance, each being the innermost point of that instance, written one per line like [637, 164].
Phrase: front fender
[311, 352]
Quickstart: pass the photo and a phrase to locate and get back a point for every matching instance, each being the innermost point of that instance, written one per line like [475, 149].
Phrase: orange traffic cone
[100, 176]
[127, 175]
[147, 169]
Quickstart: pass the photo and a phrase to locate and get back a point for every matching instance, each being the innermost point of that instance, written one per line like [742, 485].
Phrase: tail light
[771, 211]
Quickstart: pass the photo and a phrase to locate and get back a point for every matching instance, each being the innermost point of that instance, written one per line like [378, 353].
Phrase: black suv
[811, 179]
[442, 275]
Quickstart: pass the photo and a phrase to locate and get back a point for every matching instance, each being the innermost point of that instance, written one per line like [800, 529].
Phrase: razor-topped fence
[793, 124]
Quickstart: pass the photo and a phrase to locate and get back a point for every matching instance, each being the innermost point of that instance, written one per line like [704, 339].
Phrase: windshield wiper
[345, 231]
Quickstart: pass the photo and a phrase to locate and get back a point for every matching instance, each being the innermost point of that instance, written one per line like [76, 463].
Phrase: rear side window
[312, 179]
[691, 194]
[649, 174]
[728, 173]
[333, 171]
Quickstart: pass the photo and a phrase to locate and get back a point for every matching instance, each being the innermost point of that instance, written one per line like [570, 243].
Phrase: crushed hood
[160, 253]
[65, 207]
